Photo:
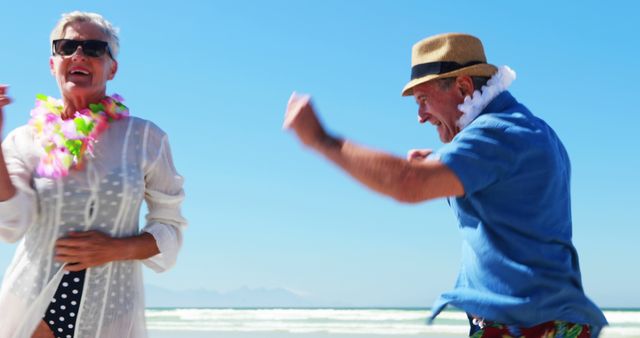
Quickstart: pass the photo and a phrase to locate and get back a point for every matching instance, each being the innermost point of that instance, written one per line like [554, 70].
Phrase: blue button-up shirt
[519, 266]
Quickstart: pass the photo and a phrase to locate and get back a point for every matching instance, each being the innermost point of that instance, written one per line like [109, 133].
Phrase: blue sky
[264, 212]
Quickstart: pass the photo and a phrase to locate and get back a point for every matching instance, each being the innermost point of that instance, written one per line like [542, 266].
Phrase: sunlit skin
[411, 180]
[439, 106]
[78, 90]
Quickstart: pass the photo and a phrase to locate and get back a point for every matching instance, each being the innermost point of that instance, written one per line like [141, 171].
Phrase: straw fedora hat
[447, 55]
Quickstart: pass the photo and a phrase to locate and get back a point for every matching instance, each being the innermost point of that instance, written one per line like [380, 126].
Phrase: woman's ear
[113, 70]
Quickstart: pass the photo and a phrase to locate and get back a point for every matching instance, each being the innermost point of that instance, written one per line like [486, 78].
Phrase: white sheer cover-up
[132, 162]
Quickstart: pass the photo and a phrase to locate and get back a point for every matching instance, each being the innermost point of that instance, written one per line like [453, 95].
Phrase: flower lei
[65, 142]
[473, 105]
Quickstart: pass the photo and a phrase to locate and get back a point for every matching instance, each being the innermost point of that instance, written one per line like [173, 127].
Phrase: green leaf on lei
[96, 108]
[82, 126]
[74, 146]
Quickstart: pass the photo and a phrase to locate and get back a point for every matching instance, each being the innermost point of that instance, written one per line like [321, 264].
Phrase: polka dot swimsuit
[63, 310]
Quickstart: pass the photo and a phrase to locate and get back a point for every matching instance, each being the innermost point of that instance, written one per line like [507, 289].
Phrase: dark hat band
[439, 67]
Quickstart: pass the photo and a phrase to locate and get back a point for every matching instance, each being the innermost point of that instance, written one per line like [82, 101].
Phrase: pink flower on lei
[64, 142]
[55, 164]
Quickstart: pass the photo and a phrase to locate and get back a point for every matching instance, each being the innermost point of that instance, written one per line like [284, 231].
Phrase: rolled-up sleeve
[164, 195]
[18, 212]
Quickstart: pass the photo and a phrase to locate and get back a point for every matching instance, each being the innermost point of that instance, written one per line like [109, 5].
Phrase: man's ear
[51, 65]
[113, 70]
[464, 84]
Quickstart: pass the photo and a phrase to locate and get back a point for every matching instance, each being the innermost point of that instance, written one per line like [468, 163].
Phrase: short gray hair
[109, 30]
[478, 82]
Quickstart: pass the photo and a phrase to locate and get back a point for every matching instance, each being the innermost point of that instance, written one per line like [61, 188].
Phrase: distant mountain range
[242, 297]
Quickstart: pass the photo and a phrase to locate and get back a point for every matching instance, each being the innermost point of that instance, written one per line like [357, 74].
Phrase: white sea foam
[623, 317]
[291, 314]
[336, 321]
[620, 332]
[352, 328]
[378, 322]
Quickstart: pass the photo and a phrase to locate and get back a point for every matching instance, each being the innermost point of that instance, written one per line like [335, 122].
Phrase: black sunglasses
[91, 48]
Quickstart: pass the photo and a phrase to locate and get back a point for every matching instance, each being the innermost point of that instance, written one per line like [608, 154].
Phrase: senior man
[506, 176]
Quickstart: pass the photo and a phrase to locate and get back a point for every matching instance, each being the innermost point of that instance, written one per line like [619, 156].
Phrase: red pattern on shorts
[552, 329]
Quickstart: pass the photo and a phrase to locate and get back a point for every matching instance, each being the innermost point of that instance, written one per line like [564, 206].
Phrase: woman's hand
[82, 250]
[7, 189]
[4, 100]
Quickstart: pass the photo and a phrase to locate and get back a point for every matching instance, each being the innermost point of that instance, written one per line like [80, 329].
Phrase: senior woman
[72, 181]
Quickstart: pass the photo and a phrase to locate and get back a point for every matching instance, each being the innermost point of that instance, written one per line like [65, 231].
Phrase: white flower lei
[473, 105]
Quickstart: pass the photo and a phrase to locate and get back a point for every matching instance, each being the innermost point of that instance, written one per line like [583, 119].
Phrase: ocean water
[330, 323]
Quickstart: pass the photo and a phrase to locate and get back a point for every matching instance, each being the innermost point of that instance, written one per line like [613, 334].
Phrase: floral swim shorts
[551, 329]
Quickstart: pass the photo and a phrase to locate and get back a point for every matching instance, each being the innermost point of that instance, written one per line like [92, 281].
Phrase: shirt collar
[502, 102]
